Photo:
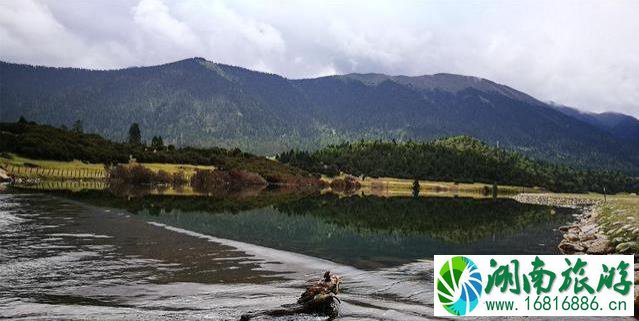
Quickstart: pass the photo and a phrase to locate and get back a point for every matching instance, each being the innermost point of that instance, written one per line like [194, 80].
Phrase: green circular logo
[459, 285]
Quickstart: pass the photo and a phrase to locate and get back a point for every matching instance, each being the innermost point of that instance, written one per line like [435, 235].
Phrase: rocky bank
[584, 236]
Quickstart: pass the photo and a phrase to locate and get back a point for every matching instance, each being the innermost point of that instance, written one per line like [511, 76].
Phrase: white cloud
[31, 32]
[581, 53]
[154, 18]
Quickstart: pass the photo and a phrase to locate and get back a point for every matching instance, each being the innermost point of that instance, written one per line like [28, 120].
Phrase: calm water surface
[96, 256]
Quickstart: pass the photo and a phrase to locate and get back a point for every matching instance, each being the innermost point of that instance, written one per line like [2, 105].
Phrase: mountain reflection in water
[362, 231]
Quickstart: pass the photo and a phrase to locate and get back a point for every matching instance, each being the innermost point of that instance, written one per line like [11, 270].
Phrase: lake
[107, 255]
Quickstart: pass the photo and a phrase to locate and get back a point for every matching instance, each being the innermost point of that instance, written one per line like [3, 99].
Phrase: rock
[564, 228]
[319, 298]
[571, 248]
[571, 237]
[588, 237]
[4, 176]
[553, 200]
[599, 246]
[589, 228]
[575, 229]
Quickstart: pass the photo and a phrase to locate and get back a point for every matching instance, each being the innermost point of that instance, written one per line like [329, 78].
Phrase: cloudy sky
[579, 53]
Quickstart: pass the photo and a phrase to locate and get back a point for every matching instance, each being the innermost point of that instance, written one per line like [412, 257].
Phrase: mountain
[201, 103]
[621, 126]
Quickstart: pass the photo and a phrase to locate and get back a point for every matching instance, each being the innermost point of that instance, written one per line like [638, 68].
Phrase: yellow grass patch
[47, 169]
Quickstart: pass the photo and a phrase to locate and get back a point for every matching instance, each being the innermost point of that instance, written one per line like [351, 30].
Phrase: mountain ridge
[197, 102]
[622, 126]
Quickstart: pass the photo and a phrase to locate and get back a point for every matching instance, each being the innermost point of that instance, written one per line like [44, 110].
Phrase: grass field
[16, 160]
[618, 217]
[31, 168]
[46, 169]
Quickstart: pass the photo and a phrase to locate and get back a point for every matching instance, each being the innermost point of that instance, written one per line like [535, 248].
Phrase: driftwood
[320, 297]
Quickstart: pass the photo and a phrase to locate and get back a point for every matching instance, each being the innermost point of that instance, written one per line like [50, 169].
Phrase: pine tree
[77, 127]
[135, 137]
[157, 143]
[416, 188]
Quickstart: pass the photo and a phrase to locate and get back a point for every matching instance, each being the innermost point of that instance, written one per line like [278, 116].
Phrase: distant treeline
[46, 142]
[460, 159]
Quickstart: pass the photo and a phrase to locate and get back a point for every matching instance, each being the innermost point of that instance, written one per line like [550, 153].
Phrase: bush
[346, 184]
[138, 175]
[178, 178]
[208, 180]
[163, 177]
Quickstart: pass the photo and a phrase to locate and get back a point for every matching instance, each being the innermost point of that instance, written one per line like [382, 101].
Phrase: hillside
[45, 142]
[458, 159]
[197, 102]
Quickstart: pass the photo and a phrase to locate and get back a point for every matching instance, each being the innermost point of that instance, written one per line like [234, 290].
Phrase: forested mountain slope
[197, 102]
[458, 159]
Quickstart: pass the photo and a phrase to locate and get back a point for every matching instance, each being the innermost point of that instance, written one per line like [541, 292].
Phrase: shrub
[138, 175]
[207, 180]
[346, 184]
[178, 178]
[163, 177]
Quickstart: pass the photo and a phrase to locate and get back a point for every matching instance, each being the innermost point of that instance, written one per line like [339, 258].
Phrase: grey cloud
[579, 53]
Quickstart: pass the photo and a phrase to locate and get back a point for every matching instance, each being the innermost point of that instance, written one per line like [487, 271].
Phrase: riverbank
[34, 171]
[23, 170]
[582, 236]
[608, 224]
